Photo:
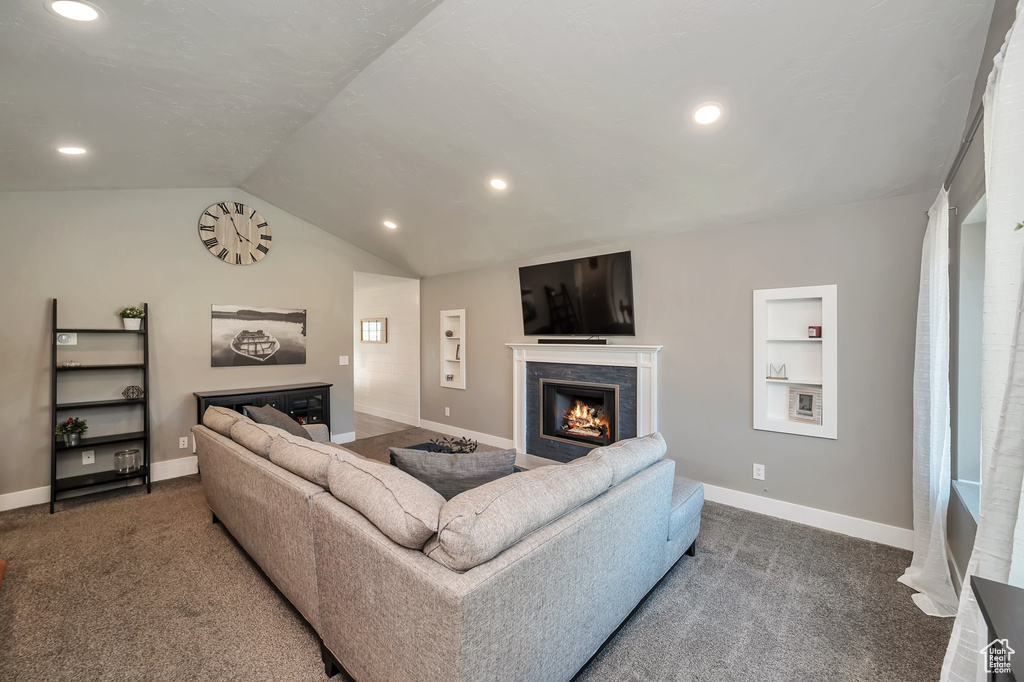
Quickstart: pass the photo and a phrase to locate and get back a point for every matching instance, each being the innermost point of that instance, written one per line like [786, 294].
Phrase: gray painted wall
[97, 251]
[693, 295]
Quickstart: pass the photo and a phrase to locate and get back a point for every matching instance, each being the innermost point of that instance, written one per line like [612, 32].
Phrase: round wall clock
[234, 233]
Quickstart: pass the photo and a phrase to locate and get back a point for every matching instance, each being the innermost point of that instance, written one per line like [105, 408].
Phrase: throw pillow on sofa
[274, 417]
[396, 503]
[457, 472]
[256, 438]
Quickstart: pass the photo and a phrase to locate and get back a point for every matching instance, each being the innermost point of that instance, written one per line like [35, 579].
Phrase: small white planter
[132, 323]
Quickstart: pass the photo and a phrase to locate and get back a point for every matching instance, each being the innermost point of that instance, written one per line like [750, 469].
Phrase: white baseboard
[496, 441]
[25, 498]
[172, 468]
[387, 414]
[343, 437]
[809, 516]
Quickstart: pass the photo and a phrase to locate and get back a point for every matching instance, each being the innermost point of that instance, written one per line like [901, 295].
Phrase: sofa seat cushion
[221, 419]
[401, 507]
[454, 473]
[687, 501]
[629, 457]
[302, 457]
[274, 417]
[479, 524]
[257, 438]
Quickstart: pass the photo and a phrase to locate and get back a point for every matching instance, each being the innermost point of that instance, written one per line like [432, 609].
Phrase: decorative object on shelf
[805, 404]
[449, 377]
[71, 363]
[247, 335]
[126, 461]
[234, 233]
[458, 351]
[132, 318]
[777, 372]
[449, 333]
[814, 332]
[373, 330]
[132, 393]
[454, 445]
[72, 430]
[67, 339]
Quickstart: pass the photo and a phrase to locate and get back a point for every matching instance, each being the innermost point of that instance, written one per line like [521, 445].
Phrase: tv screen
[585, 296]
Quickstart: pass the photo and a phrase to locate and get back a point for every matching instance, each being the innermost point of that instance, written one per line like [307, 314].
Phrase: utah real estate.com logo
[997, 656]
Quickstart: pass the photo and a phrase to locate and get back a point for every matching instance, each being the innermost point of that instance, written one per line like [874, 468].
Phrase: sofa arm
[318, 432]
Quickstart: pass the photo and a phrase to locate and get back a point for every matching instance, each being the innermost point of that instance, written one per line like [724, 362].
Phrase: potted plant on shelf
[72, 430]
[132, 318]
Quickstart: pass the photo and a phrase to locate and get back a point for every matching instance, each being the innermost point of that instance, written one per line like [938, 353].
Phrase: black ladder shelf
[98, 478]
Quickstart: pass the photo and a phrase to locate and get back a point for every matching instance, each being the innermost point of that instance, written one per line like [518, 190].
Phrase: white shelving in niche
[453, 349]
[781, 321]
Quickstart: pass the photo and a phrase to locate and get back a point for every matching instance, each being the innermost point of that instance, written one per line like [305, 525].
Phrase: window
[374, 330]
[970, 297]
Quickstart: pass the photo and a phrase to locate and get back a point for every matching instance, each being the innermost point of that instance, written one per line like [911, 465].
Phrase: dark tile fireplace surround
[571, 409]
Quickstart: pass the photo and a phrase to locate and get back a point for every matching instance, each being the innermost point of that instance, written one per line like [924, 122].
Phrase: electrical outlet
[183, 442]
[342, 359]
[447, 411]
[759, 472]
[89, 457]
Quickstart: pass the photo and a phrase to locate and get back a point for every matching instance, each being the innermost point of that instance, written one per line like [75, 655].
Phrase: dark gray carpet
[376, 447]
[125, 586]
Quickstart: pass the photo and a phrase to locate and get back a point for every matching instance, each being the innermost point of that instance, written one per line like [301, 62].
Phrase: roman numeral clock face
[234, 233]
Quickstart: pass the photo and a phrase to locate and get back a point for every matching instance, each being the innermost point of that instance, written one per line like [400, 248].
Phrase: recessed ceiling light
[707, 114]
[72, 9]
[498, 183]
[390, 225]
[71, 151]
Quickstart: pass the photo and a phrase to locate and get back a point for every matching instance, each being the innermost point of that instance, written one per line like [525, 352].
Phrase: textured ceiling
[175, 93]
[583, 104]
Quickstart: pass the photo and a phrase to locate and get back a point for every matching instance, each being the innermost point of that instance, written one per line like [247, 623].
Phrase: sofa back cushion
[401, 507]
[629, 457]
[272, 416]
[479, 524]
[451, 473]
[221, 419]
[302, 457]
[257, 438]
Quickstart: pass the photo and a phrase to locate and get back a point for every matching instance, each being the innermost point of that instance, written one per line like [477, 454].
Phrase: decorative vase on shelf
[72, 439]
[132, 323]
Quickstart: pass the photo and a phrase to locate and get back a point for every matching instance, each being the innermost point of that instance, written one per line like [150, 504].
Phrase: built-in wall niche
[795, 361]
[453, 348]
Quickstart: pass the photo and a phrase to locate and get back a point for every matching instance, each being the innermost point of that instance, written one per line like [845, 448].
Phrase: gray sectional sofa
[521, 579]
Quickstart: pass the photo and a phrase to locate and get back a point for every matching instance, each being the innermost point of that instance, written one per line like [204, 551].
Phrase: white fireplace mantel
[644, 358]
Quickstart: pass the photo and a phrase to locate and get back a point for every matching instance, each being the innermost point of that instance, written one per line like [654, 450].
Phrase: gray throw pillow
[274, 417]
[454, 473]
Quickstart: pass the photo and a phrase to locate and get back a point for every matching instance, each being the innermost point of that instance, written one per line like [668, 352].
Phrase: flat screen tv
[583, 297]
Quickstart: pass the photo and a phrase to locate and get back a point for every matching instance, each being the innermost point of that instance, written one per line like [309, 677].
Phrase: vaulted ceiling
[349, 113]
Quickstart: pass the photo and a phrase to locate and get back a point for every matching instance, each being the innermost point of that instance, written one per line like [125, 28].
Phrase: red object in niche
[814, 332]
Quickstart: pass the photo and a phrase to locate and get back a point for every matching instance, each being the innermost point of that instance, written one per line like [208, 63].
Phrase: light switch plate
[342, 359]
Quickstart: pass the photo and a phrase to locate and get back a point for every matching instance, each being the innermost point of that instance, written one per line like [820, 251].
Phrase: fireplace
[579, 413]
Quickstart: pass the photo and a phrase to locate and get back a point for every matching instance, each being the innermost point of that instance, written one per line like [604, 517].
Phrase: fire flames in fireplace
[585, 420]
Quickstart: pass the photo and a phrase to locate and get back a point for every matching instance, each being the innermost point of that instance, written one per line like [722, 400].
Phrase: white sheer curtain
[999, 545]
[929, 572]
